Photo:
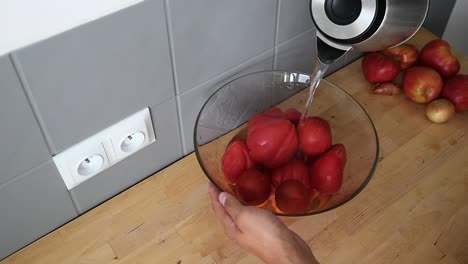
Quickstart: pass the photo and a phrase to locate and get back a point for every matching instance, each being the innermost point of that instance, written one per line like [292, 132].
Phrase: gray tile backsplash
[298, 53]
[31, 206]
[294, 18]
[22, 146]
[438, 15]
[169, 55]
[210, 37]
[87, 79]
[192, 101]
[166, 149]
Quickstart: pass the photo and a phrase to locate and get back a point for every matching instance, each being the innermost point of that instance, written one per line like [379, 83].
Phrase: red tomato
[340, 151]
[302, 157]
[292, 197]
[271, 141]
[379, 68]
[274, 112]
[235, 160]
[314, 135]
[326, 173]
[253, 187]
[293, 170]
[293, 115]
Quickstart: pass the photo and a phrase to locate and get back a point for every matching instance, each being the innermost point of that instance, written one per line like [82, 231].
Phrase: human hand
[259, 231]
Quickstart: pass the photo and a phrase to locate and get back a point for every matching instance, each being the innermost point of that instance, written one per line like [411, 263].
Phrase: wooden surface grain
[414, 210]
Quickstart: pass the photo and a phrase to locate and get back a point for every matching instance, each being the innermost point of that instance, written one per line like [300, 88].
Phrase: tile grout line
[229, 72]
[174, 74]
[296, 37]
[275, 47]
[278, 5]
[170, 39]
[22, 174]
[181, 127]
[75, 202]
[35, 109]
[234, 68]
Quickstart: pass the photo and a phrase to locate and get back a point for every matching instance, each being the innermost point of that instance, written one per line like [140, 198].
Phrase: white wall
[23, 22]
[456, 31]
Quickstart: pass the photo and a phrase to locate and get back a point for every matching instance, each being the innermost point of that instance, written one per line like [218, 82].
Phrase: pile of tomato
[286, 159]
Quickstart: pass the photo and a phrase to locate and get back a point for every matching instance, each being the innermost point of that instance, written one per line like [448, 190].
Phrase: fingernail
[222, 198]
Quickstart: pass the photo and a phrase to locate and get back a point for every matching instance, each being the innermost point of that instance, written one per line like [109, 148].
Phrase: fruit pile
[430, 76]
[286, 159]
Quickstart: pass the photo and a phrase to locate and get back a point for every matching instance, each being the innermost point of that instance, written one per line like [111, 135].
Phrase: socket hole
[132, 142]
[90, 165]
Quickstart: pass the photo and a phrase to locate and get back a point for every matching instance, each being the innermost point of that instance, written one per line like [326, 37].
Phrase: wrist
[291, 249]
[283, 251]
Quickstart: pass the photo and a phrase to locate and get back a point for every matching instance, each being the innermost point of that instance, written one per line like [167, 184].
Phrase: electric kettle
[364, 25]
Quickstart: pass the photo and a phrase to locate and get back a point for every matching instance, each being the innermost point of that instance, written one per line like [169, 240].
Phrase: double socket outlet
[102, 150]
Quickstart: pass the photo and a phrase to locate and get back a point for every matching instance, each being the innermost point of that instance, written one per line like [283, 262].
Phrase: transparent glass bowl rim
[351, 197]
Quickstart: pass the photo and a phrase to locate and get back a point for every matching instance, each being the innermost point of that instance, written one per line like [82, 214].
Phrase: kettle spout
[328, 54]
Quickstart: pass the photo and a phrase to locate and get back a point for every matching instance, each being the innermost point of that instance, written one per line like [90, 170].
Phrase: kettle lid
[346, 20]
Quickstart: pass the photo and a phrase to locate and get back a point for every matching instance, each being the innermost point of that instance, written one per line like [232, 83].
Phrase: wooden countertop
[414, 210]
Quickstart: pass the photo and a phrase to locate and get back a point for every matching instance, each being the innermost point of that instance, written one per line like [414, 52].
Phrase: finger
[223, 217]
[230, 228]
[231, 204]
[214, 193]
[218, 208]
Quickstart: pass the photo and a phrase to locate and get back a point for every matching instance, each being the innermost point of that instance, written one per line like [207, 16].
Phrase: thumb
[231, 204]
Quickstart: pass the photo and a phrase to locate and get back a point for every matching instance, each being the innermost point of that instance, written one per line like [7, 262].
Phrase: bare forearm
[293, 250]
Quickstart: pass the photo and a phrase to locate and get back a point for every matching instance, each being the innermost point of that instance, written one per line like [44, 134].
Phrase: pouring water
[326, 55]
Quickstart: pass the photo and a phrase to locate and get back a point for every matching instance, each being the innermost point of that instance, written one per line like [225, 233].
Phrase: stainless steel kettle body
[367, 25]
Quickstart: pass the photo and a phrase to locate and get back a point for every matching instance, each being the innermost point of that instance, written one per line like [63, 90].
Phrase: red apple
[422, 84]
[253, 187]
[456, 91]
[314, 135]
[436, 54]
[379, 68]
[405, 54]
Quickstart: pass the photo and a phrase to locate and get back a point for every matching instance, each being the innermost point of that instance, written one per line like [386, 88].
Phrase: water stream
[326, 55]
[317, 74]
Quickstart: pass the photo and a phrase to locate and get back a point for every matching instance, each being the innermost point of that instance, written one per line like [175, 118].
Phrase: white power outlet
[131, 135]
[104, 149]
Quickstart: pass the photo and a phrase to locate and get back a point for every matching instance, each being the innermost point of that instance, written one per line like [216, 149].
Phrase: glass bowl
[225, 113]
